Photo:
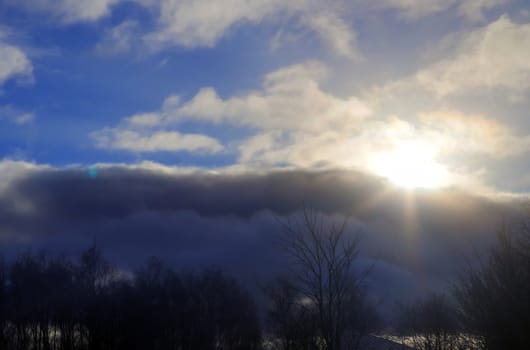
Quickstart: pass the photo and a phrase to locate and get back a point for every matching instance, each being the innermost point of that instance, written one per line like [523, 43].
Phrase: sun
[410, 164]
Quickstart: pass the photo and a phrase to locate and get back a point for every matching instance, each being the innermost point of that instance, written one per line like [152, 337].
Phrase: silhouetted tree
[323, 257]
[219, 314]
[27, 300]
[494, 297]
[291, 320]
[54, 304]
[94, 276]
[3, 305]
[432, 324]
[62, 304]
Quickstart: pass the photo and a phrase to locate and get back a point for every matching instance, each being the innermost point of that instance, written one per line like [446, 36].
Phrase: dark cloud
[416, 239]
[118, 192]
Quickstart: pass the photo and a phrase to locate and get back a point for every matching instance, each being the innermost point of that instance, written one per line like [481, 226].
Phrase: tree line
[53, 303]
[321, 303]
[56, 304]
[487, 306]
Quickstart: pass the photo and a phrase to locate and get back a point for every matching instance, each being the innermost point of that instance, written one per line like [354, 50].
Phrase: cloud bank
[226, 218]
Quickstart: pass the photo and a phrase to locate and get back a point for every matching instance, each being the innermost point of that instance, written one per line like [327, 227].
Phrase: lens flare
[92, 172]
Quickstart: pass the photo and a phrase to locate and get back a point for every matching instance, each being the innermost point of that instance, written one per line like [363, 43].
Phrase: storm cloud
[229, 219]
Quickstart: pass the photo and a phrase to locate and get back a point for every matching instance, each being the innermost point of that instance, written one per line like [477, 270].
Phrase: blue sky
[264, 84]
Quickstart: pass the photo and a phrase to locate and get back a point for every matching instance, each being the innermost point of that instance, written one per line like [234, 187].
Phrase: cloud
[334, 31]
[494, 57]
[413, 9]
[474, 134]
[145, 119]
[67, 11]
[226, 218]
[15, 116]
[291, 99]
[304, 149]
[119, 191]
[457, 104]
[490, 61]
[472, 10]
[198, 23]
[202, 23]
[292, 121]
[192, 23]
[458, 147]
[12, 171]
[119, 39]
[14, 63]
[130, 140]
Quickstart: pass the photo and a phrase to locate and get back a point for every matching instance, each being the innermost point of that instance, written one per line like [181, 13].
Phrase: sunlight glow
[411, 164]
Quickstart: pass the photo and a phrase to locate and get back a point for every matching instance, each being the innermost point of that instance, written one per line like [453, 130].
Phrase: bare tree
[494, 297]
[323, 256]
[3, 305]
[291, 322]
[54, 304]
[432, 324]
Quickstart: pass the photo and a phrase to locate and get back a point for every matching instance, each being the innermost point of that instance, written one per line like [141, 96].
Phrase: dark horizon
[417, 239]
[323, 298]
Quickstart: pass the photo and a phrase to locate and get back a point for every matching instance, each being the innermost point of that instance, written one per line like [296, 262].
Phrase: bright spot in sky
[411, 164]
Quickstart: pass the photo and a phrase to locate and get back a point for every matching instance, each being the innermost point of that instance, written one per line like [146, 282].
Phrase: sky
[179, 128]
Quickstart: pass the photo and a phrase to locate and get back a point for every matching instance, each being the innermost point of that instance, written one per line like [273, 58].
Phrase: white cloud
[491, 62]
[199, 23]
[12, 170]
[68, 11]
[334, 31]
[291, 120]
[192, 23]
[24, 118]
[303, 149]
[496, 56]
[472, 10]
[144, 119]
[195, 23]
[135, 141]
[119, 39]
[202, 23]
[329, 147]
[445, 135]
[16, 116]
[291, 99]
[461, 133]
[414, 9]
[14, 63]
